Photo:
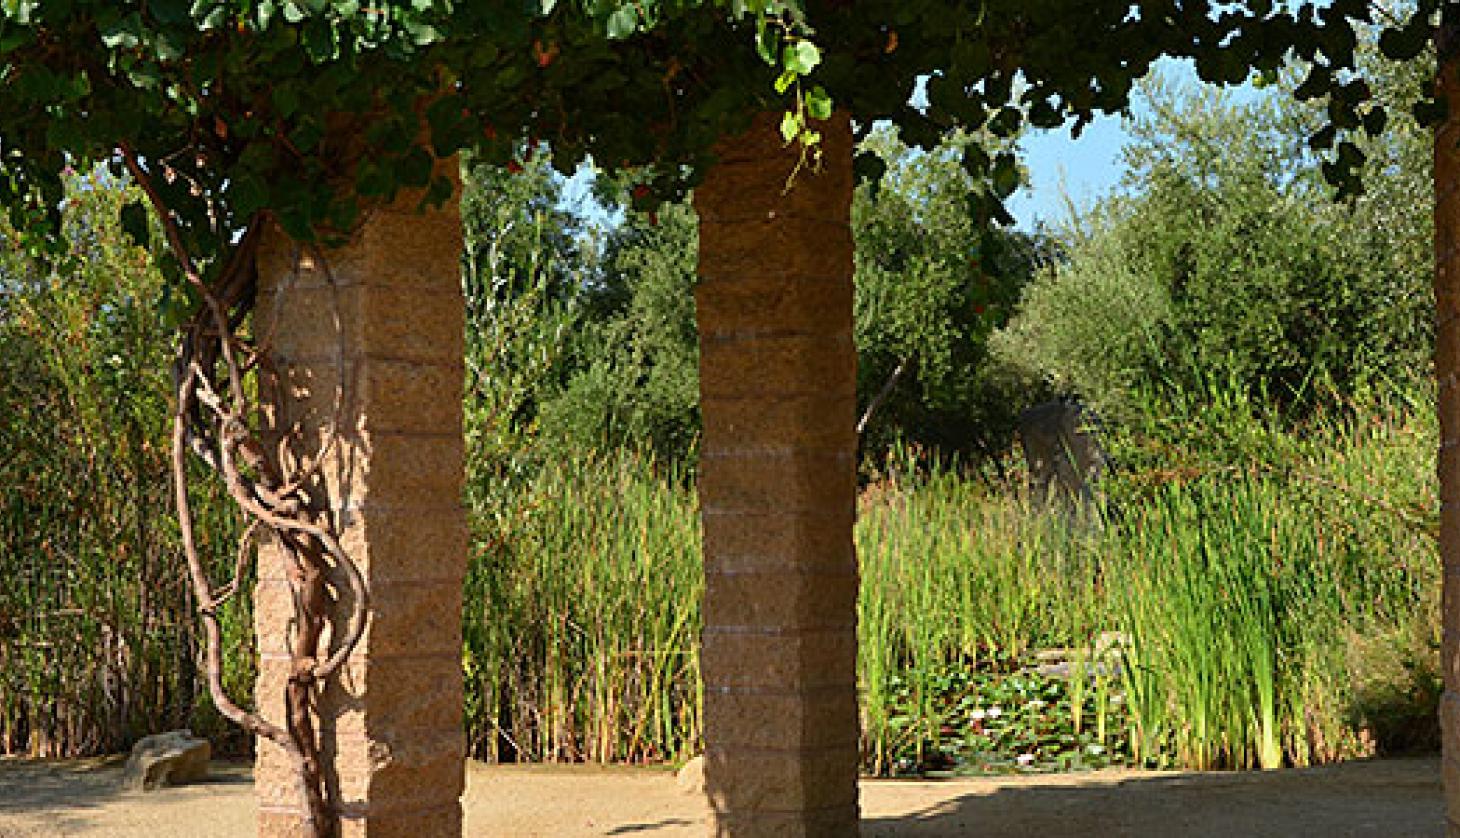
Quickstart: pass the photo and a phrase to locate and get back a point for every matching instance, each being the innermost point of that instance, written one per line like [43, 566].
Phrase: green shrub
[1223, 258]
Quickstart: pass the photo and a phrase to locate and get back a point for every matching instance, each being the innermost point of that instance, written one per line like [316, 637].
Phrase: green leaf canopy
[307, 108]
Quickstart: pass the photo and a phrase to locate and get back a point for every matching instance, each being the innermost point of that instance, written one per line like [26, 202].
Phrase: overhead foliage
[313, 110]
[309, 108]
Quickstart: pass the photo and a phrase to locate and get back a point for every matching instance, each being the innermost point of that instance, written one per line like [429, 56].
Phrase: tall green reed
[1254, 567]
[96, 641]
[582, 623]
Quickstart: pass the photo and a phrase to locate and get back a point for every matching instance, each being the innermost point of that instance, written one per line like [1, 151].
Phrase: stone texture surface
[381, 320]
[167, 759]
[1447, 372]
[778, 487]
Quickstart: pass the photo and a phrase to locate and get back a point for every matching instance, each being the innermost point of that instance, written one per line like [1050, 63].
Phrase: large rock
[691, 777]
[1107, 660]
[167, 759]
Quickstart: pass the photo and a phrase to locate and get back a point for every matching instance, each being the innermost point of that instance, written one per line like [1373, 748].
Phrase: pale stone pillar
[393, 721]
[778, 487]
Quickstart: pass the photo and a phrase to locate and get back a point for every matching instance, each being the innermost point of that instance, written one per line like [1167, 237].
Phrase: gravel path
[1389, 798]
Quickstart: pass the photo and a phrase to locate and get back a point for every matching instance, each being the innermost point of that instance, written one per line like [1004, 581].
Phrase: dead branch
[882, 394]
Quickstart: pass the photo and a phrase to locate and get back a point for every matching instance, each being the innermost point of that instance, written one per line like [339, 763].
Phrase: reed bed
[96, 629]
[1258, 609]
[582, 619]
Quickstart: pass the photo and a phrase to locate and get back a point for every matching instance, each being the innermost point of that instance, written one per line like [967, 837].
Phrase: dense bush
[932, 282]
[632, 378]
[1223, 257]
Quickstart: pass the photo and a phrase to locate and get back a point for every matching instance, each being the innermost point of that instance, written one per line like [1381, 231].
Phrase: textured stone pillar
[393, 721]
[1447, 370]
[778, 487]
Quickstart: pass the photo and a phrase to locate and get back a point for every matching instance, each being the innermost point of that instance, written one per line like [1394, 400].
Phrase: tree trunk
[778, 486]
[1447, 373]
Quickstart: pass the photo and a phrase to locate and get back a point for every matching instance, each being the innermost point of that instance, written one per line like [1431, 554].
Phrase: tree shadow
[1392, 799]
[635, 828]
[69, 792]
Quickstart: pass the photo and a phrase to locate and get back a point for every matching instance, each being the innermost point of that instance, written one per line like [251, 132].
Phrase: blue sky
[1063, 169]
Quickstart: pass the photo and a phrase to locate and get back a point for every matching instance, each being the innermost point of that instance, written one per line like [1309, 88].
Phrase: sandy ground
[1390, 798]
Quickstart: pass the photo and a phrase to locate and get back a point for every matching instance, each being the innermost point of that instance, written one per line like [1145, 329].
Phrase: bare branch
[884, 393]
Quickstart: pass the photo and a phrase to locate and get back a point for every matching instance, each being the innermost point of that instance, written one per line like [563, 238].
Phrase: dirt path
[1391, 798]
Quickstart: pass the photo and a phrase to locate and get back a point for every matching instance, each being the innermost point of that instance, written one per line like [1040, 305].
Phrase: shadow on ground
[636, 828]
[1392, 799]
[74, 796]
[1389, 798]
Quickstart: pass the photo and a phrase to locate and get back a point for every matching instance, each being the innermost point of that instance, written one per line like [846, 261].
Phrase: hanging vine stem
[212, 419]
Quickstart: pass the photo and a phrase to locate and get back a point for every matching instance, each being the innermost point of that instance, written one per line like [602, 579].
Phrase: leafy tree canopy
[932, 283]
[1220, 261]
[309, 108]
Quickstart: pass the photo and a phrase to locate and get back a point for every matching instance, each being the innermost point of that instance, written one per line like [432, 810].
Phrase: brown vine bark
[1447, 374]
[214, 419]
[778, 486]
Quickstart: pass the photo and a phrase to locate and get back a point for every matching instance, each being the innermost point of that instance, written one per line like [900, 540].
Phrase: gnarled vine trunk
[778, 486]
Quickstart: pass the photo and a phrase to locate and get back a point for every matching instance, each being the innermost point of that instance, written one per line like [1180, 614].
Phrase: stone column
[1447, 371]
[778, 487]
[392, 722]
